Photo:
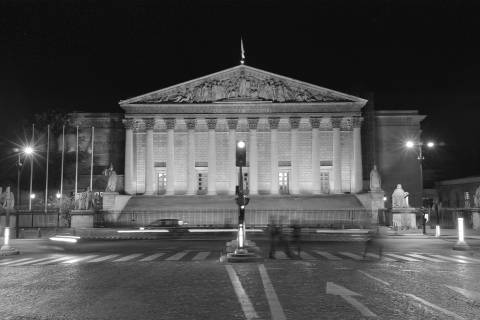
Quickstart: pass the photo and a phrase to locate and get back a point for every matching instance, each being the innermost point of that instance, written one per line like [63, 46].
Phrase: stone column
[212, 157]
[129, 169]
[336, 156]
[170, 123]
[191, 181]
[252, 156]
[294, 170]
[274, 187]
[149, 172]
[357, 178]
[232, 147]
[315, 123]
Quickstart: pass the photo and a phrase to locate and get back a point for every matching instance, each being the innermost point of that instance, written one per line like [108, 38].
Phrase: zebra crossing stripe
[201, 256]
[468, 258]
[31, 261]
[78, 259]
[327, 255]
[376, 256]
[5, 260]
[449, 258]
[129, 257]
[111, 256]
[306, 256]
[416, 255]
[14, 261]
[153, 256]
[352, 255]
[402, 257]
[177, 256]
[52, 261]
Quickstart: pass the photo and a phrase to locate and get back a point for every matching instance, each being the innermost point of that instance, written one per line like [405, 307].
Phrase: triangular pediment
[242, 83]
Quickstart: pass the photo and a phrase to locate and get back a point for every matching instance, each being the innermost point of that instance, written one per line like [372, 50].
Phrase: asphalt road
[415, 279]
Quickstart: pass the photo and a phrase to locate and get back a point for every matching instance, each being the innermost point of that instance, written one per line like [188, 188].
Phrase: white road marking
[52, 261]
[402, 257]
[416, 255]
[177, 256]
[245, 302]
[470, 294]
[449, 258]
[31, 261]
[306, 256]
[78, 259]
[128, 258]
[153, 256]
[111, 256]
[374, 278]
[468, 258]
[327, 255]
[347, 295]
[276, 309]
[201, 256]
[5, 260]
[14, 261]
[376, 256]
[352, 255]
[431, 305]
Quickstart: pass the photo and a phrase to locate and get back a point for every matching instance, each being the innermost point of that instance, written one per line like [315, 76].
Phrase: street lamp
[410, 144]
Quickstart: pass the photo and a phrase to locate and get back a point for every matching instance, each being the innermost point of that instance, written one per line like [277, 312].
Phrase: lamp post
[410, 144]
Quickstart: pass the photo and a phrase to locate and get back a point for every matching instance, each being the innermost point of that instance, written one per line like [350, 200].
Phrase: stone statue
[400, 198]
[9, 202]
[375, 180]
[476, 199]
[112, 179]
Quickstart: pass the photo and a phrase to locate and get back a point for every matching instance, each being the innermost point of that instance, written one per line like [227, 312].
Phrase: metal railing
[335, 218]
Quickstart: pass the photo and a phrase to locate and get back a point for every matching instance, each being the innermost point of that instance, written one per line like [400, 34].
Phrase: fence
[341, 218]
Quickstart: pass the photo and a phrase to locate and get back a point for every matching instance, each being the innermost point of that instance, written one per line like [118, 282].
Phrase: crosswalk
[191, 255]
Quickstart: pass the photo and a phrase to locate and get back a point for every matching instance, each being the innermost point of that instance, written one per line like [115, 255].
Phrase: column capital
[149, 123]
[211, 123]
[232, 123]
[315, 122]
[336, 122]
[252, 123]
[274, 122]
[294, 122]
[130, 123]
[190, 123]
[357, 122]
[170, 123]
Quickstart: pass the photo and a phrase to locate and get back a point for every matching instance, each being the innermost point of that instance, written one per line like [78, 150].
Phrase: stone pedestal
[82, 218]
[109, 201]
[404, 218]
[476, 220]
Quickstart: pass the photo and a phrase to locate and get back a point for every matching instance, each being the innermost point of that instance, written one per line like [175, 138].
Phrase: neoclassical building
[301, 138]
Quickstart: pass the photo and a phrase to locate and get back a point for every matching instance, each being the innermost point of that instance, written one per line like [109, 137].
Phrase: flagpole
[31, 168]
[91, 161]
[61, 170]
[46, 174]
[76, 167]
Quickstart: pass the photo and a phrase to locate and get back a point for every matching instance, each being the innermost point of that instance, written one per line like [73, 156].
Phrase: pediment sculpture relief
[241, 87]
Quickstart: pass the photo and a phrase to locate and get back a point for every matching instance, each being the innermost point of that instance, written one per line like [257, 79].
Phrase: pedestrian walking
[375, 242]
[296, 236]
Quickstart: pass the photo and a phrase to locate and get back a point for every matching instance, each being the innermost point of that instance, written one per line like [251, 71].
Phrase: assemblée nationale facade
[301, 138]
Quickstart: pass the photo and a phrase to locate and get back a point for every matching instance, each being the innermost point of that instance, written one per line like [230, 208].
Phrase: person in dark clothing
[296, 236]
[277, 238]
[375, 241]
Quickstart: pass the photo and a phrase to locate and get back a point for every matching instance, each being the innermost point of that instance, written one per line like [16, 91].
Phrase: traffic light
[241, 154]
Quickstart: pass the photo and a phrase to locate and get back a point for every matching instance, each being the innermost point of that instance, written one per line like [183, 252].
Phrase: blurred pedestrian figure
[277, 238]
[296, 236]
[375, 242]
[273, 233]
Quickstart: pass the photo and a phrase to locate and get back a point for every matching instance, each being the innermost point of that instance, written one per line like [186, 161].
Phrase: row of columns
[356, 172]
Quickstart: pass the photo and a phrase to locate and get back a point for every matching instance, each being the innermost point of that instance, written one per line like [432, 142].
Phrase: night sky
[88, 55]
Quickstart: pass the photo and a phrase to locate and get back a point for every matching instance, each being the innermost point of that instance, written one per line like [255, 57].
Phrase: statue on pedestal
[400, 198]
[375, 180]
[9, 199]
[112, 179]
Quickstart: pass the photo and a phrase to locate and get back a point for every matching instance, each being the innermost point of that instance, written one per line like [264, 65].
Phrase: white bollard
[461, 237]
[437, 231]
[6, 236]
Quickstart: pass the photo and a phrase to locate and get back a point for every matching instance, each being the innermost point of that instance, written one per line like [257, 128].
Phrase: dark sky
[88, 55]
